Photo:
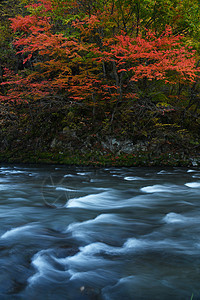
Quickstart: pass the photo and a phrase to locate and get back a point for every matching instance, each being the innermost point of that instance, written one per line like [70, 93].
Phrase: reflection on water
[114, 233]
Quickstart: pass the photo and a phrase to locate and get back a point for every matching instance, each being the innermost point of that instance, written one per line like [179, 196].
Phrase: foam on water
[91, 253]
[3, 180]
[93, 250]
[4, 187]
[134, 245]
[98, 277]
[94, 201]
[88, 230]
[85, 270]
[158, 189]
[17, 231]
[95, 180]
[88, 262]
[196, 176]
[93, 265]
[45, 269]
[99, 189]
[172, 217]
[121, 228]
[83, 173]
[193, 184]
[105, 201]
[13, 172]
[191, 171]
[41, 265]
[64, 189]
[131, 178]
[99, 254]
[163, 172]
[102, 218]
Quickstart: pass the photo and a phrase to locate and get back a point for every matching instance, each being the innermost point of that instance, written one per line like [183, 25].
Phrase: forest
[100, 82]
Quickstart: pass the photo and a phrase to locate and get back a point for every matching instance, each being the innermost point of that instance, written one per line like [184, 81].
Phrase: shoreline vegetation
[101, 83]
[140, 159]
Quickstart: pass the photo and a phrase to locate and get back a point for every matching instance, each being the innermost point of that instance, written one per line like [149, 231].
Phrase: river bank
[139, 159]
[53, 141]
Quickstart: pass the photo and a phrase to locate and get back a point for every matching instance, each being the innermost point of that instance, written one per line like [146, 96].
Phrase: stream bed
[74, 233]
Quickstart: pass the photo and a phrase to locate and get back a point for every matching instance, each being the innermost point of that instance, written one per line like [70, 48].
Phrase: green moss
[97, 158]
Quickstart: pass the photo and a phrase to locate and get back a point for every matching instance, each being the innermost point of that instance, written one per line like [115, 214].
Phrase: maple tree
[99, 54]
[77, 64]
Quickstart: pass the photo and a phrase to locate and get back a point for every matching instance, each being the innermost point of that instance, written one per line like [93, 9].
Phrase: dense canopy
[109, 67]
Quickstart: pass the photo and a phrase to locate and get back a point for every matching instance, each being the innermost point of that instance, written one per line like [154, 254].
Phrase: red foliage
[151, 57]
[23, 89]
[76, 65]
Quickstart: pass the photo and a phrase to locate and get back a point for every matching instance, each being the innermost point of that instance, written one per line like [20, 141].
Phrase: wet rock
[117, 146]
[195, 162]
[56, 143]
[123, 146]
[69, 132]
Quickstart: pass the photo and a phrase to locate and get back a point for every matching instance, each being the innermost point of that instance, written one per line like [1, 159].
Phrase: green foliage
[112, 67]
[8, 9]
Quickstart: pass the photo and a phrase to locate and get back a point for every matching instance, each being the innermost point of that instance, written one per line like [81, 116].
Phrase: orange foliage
[78, 65]
[151, 57]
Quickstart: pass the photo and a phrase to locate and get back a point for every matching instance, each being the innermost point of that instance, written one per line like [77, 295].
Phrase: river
[110, 233]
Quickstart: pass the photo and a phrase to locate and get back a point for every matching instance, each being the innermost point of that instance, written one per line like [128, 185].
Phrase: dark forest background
[105, 82]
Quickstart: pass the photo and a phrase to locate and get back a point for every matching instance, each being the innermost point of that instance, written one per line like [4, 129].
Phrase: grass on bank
[98, 159]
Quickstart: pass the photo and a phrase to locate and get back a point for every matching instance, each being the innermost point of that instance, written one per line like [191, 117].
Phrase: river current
[69, 233]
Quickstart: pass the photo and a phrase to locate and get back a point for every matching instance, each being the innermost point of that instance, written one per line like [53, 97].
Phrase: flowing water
[110, 234]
